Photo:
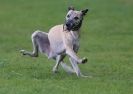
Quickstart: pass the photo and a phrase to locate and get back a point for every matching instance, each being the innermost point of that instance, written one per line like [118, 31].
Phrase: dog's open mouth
[73, 27]
[69, 28]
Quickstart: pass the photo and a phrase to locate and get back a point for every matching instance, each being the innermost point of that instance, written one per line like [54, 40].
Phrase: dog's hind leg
[59, 59]
[35, 47]
[67, 68]
[40, 43]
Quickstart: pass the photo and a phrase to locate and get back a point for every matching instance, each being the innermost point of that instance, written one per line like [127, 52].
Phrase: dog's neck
[75, 34]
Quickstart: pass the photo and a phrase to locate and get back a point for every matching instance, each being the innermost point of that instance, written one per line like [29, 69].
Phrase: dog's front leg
[76, 68]
[73, 55]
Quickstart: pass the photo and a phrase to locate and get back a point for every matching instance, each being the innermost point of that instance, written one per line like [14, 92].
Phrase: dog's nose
[68, 24]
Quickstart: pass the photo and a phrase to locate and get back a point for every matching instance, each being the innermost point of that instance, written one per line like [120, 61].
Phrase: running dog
[61, 40]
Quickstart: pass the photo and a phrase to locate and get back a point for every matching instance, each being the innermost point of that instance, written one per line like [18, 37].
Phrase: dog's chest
[72, 39]
[75, 37]
[75, 40]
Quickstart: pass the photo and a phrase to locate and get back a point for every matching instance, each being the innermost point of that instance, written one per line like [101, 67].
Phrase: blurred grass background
[106, 39]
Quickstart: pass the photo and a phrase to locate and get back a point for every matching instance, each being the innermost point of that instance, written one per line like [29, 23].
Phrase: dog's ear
[70, 8]
[84, 12]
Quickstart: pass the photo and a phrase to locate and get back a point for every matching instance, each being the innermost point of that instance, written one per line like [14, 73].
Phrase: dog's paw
[85, 76]
[84, 60]
[55, 70]
[22, 52]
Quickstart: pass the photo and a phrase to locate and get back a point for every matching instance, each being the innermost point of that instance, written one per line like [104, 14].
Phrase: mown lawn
[106, 40]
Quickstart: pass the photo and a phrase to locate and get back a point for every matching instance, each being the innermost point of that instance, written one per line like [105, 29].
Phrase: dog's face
[74, 18]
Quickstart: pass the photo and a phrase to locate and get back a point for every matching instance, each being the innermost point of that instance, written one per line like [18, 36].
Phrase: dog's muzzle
[69, 24]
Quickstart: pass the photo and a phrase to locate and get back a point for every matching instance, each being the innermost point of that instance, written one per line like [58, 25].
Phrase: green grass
[106, 39]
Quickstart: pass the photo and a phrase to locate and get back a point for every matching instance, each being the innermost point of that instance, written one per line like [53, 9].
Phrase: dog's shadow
[61, 75]
[50, 75]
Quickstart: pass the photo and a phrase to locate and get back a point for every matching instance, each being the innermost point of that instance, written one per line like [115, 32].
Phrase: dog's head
[74, 19]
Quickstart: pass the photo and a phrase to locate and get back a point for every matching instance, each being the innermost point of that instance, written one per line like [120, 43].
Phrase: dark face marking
[74, 19]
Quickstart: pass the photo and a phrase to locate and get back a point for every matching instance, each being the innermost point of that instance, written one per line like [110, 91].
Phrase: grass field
[106, 40]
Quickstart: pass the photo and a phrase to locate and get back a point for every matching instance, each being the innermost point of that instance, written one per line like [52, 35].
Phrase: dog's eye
[76, 18]
[68, 16]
